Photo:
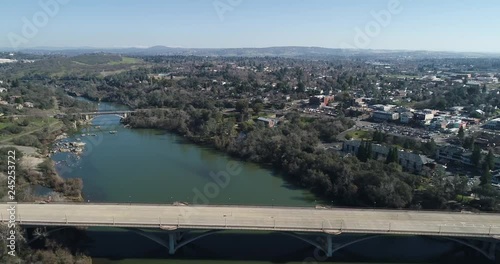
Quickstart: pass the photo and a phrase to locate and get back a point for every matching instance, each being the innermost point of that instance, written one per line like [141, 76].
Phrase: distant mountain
[288, 51]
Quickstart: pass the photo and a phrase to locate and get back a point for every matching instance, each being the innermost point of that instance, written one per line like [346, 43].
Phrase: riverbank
[40, 170]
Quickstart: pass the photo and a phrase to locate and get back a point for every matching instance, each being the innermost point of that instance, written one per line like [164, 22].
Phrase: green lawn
[124, 60]
[360, 134]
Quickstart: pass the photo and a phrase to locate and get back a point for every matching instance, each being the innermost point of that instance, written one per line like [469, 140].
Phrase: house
[19, 107]
[3, 90]
[28, 104]
[269, 122]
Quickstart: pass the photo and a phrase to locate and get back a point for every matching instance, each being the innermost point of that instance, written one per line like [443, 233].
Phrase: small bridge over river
[480, 232]
[90, 115]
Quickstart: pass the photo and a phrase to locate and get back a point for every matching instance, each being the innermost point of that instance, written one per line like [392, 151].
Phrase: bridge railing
[319, 206]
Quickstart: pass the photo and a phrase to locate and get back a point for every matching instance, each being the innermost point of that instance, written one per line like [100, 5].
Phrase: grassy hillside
[79, 65]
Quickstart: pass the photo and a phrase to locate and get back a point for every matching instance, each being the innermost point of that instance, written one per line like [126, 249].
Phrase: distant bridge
[478, 231]
[120, 113]
[90, 115]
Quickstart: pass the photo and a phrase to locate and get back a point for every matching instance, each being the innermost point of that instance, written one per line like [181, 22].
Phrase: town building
[408, 160]
[385, 116]
[457, 154]
[493, 124]
[406, 117]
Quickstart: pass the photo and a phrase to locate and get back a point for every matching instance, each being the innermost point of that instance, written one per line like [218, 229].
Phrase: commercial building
[493, 124]
[385, 116]
[406, 118]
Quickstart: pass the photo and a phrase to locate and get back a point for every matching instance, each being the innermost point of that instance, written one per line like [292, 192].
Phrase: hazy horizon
[61, 48]
[403, 25]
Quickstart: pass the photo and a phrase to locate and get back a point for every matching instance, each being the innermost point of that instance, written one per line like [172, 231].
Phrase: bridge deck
[259, 218]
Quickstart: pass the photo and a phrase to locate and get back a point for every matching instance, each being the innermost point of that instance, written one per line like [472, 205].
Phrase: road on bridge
[259, 218]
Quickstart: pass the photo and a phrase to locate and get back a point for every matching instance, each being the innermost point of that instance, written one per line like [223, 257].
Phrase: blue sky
[447, 25]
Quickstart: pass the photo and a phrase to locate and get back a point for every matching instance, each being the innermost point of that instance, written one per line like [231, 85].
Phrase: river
[150, 166]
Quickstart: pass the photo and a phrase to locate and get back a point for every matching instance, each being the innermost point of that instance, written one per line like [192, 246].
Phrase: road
[259, 218]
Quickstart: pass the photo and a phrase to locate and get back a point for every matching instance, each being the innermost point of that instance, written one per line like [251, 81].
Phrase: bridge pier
[329, 246]
[173, 239]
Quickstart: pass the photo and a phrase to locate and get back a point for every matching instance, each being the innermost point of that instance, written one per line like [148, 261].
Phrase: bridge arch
[329, 248]
[308, 241]
[173, 238]
[487, 251]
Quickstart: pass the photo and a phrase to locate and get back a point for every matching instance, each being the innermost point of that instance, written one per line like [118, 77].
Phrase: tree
[369, 150]
[242, 108]
[301, 87]
[476, 156]
[486, 176]
[378, 136]
[490, 159]
[257, 108]
[392, 156]
[461, 133]
[429, 148]
[468, 143]
[361, 155]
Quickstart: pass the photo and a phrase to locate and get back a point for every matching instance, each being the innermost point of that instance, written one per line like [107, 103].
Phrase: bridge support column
[172, 241]
[329, 246]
